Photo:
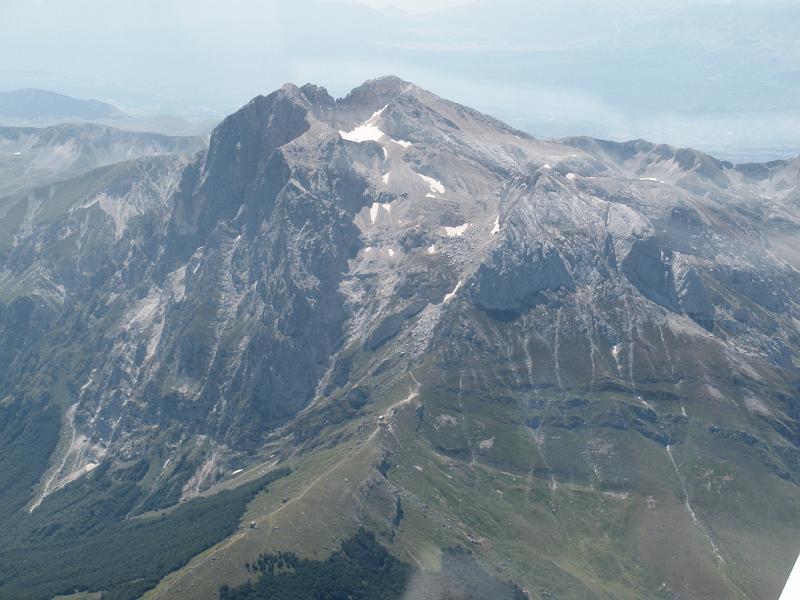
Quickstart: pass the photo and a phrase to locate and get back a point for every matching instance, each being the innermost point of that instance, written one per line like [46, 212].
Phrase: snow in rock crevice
[452, 294]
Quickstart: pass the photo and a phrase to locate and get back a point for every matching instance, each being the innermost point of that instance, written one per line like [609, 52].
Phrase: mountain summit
[574, 362]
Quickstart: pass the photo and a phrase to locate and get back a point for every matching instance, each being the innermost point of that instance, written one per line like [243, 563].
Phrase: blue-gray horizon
[723, 77]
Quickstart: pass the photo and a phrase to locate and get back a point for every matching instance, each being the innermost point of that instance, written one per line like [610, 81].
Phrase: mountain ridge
[37, 103]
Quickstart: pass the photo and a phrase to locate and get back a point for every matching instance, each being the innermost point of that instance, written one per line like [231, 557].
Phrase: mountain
[31, 156]
[392, 333]
[33, 108]
[41, 104]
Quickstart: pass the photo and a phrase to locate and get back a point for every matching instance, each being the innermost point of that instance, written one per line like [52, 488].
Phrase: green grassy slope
[560, 475]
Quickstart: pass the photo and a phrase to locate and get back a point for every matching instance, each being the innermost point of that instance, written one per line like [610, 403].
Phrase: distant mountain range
[43, 104]
[386, 346]
[37, 108]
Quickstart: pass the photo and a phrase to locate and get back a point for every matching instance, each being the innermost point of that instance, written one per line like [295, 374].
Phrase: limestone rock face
[646, 267]
[693, 295]
[514, 281]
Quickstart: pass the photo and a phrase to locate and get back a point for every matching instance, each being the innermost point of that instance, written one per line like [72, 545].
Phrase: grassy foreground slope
[579, 491]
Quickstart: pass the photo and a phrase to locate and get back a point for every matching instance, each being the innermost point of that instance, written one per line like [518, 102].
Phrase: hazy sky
[415, 6]
[723, 76]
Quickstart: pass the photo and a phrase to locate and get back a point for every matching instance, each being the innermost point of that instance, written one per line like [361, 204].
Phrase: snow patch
[435, 185]
[456, 231]
[391, 252]
[385, 178]
[651, 179]
[368, 131]
[792, 589]
[546, 167]
[432, 249]
[570, 176]
[496, 228]
[402, 143]
[376, 207]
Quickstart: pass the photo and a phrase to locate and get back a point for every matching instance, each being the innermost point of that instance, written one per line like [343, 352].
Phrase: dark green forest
[28, 436]
[363, 570]
[80, 540]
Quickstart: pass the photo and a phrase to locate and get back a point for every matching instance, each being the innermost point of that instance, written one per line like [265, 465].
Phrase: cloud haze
[721, 76]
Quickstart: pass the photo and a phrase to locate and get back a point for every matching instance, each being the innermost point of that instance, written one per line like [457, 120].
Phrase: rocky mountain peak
[319, 98]
[241, 150]
[376, 93]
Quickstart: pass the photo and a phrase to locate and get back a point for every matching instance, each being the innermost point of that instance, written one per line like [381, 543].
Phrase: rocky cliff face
[578, 357]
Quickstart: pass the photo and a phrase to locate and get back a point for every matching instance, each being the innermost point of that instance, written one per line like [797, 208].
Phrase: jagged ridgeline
[576, 358]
